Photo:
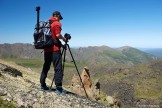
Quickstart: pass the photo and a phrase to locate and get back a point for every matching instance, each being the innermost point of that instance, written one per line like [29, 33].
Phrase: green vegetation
[31, 63]
[8, 56]
[136, 56]
[37, 65]
[149, 88]
[28, 63]
[146, 92]
[144, 78]
[103, 97]
[6, 104]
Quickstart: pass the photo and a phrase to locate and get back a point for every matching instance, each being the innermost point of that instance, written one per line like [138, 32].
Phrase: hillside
[20, 50]
[136, 56]
[139, 84]
[134, 86]
[104, 55]
[20, 87]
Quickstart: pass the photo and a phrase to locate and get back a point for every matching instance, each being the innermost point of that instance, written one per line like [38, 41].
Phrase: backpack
[43, 36]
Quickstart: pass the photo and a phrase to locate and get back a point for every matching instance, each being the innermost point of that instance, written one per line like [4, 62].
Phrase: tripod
[64, 55]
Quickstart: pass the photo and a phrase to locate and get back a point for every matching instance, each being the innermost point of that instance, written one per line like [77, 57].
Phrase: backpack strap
[51, 21]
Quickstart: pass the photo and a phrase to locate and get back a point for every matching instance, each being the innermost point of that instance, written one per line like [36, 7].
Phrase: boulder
[92, 89]
[113, 101]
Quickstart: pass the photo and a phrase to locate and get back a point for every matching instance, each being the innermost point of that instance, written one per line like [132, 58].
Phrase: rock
[75, 80]
[10, 70]
[85, 76]
[112, 101]
[91, 90]
[117, 102]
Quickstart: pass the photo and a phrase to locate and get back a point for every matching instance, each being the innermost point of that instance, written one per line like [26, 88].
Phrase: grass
[37, 65]
[147, 85]
[146, 92]
[103, 97]
[149, 88]
[32, 63]
[6, 104]
[28, 63]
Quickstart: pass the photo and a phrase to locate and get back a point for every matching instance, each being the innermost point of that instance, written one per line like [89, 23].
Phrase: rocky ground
[21, 87]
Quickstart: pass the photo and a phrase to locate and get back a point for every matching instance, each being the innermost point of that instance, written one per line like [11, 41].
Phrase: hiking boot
[44, 88]
[60, 91]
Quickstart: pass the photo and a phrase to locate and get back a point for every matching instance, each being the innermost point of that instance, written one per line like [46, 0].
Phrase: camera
[67, 36]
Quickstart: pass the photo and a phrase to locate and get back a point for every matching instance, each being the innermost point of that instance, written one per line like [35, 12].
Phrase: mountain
[20, 50]
[106, 56]
[91, 56]
[95, 57]
[137, 56]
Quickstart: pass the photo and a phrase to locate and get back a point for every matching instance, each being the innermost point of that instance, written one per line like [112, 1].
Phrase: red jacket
[55, 29]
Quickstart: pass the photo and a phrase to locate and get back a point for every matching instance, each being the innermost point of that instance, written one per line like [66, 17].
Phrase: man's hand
[64, 39]
[59, 36]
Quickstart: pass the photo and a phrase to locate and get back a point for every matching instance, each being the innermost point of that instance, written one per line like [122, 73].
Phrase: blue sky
[115, 23]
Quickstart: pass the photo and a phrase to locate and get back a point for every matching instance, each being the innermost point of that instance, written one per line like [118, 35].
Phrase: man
[53, 54]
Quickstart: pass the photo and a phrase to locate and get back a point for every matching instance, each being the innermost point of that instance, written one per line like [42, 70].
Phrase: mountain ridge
[103, 55]
[95, 53]
[93, 56]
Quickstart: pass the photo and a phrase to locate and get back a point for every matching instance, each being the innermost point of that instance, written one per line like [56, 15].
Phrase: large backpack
[43, 36]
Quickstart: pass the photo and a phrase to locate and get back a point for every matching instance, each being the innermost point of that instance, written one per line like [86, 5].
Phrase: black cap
[58, 13]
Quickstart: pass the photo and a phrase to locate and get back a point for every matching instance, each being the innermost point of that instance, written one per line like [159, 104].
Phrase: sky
[114, 23]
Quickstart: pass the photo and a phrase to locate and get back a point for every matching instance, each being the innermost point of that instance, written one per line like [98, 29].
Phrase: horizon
[142, 48]
[114, 23]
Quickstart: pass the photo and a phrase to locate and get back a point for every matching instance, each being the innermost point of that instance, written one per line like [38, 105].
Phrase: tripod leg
[52, 83]
[62, 51]
[77, 69]
[64, 59]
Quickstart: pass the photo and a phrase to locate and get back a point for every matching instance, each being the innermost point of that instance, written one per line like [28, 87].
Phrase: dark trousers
[56, 59]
